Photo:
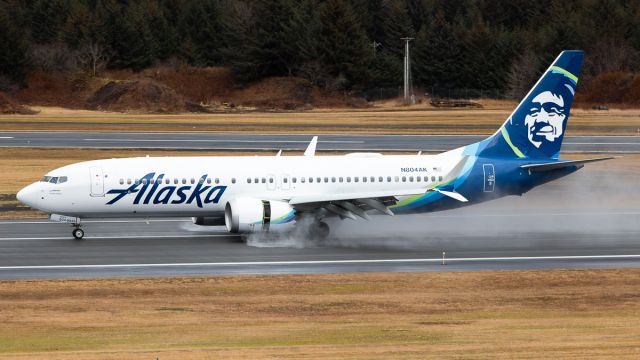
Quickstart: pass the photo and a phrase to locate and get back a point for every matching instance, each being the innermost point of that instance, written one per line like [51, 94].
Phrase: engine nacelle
[208, 221]
[254, 215]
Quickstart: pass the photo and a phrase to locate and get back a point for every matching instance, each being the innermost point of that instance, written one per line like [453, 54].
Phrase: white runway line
[229, 141]
[319, 262]
[6, 137]
[178, 236]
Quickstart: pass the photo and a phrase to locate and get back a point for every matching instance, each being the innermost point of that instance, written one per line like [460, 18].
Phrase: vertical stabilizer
[536, 127]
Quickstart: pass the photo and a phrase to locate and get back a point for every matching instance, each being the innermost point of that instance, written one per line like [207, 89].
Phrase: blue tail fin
[536, 127]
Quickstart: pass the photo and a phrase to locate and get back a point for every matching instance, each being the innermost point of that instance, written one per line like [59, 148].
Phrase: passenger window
[184, 181]
[433, 178]
[388, 178]
[175, 181]
[217, 181]
[426, 179]
[410, 178]
[294, 180]
[201, 181]
[136, 182]
[348, 179]
[285, 180]
[302, 179]
[144, 181]
[233, 180]
[397, 179]
[440, 178]
[380, 179]
[152, 181]
[167, 181]
[341, 179]
[270, 180]
[326, 179]
[121, 181]
[128, 181]
[248, 180]
[310, 180]
[264, 180]
[318, 179]
[355, 178]
[404, 179]
[208, 180]
[256, 180]
[193, 181]
[333, 179]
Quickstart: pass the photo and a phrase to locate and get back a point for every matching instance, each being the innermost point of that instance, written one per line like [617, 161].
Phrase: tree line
[493, 45]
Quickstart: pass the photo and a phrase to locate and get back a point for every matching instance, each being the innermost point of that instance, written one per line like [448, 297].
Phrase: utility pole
[375, 45]
[408, 96]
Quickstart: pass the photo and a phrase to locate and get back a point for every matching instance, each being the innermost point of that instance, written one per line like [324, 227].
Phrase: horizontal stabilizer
[548, 166]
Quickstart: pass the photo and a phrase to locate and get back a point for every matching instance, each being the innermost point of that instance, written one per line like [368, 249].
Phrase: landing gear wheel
[78, 233]
[321, 230]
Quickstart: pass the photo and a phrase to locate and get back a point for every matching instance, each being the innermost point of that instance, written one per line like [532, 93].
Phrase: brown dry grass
[490, 314]
[418, 120]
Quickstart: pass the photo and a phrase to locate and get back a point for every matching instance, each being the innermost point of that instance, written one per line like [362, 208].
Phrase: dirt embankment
[10, 106]
[177, 89]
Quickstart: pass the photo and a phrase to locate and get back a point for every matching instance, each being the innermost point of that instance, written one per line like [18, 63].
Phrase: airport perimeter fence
[436, 93]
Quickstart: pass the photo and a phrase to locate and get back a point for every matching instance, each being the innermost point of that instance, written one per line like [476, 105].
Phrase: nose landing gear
[78, 233]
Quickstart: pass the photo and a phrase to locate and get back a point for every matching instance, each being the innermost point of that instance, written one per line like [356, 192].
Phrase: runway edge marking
[318, 262]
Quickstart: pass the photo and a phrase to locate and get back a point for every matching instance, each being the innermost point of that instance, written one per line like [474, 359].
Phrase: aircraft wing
[548, 166]
[352, 204]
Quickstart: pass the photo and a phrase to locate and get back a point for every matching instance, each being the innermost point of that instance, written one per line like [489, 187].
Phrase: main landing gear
[78, 233]
[319, 230]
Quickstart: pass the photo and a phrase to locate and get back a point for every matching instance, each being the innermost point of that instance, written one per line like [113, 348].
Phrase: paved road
[223, 141]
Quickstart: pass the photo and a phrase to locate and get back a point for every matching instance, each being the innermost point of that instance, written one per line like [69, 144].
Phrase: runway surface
[256, 142]
[590, 219]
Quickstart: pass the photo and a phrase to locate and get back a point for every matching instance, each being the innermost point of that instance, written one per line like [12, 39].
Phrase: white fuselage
[172, 181]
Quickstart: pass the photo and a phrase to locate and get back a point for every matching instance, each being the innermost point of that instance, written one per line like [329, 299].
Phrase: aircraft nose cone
[28, 195]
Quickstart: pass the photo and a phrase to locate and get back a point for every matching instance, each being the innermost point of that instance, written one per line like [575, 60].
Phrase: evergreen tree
[203, 36]
[47, 20]
[344, 46]
[13, 51]
[437, 50]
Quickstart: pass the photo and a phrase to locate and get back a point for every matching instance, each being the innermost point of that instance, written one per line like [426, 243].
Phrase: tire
[78, 234]
[322, 230]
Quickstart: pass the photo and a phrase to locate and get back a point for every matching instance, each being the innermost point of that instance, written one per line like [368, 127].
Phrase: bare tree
[93, 56]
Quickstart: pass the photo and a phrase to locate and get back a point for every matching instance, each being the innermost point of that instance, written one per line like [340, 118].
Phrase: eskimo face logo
[545, 120]
[150, 190]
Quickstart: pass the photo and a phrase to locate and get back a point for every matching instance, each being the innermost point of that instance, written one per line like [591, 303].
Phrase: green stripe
[505, 135]
[568, 74]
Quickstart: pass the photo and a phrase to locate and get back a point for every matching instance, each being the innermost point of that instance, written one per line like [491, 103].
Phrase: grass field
[490, 314]
[418, 120]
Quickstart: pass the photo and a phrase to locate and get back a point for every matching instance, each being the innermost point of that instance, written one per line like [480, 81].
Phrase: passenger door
[97, 181]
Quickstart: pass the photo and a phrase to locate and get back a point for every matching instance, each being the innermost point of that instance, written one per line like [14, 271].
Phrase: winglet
[311, 149]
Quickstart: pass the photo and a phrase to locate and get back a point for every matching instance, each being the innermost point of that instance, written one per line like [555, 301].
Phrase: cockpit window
[54, 179]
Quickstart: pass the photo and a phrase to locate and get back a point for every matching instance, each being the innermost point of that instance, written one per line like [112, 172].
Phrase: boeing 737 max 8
[265, 193]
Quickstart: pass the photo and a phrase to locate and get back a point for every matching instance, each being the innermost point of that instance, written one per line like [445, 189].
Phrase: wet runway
[257, 142]
[590, 219]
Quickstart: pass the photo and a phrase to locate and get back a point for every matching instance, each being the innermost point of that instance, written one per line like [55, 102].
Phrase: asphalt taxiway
[274, 142]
